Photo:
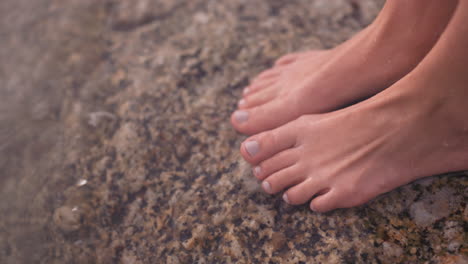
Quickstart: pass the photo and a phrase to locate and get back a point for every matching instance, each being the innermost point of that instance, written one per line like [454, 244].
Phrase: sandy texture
[116, 147]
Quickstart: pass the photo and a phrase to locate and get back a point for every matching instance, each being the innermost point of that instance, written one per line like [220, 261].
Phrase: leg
[325, 81]
[416, 128]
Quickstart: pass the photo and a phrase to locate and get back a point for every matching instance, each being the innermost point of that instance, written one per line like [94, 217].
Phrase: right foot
[323, 81]
[416, 128]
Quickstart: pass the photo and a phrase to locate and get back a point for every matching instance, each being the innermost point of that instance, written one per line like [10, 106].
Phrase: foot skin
[323, 81]
[283, 61]
[348, 157]
[416, 128]
[314, 59]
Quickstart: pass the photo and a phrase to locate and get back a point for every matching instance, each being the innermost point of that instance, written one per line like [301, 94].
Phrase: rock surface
[115, 145]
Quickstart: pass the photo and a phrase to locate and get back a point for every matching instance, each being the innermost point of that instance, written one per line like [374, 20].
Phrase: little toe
[258, 98]
[283, 179]
[326, 202]
[276, 163]
[265, 145]
[304, 191]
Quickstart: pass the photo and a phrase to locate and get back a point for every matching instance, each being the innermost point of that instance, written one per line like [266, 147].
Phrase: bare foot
[416, 128]
[314, 58]
[283, 61]
[323, 81]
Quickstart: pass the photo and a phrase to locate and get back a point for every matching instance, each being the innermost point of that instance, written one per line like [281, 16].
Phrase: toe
[265, 145]
[264, 117]
[278, 162]
[267, 74]
[283, 179]
[326, 202]
[342, 196]
[258, 98]
[292, 57]
[260, 85]
[304, 191]
[287, 59]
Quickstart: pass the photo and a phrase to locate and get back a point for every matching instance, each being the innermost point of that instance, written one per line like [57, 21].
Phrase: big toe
[259, 98]
[265, 145]
[264, 117]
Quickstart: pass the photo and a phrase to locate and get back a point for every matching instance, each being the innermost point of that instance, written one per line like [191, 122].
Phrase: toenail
[313, 208]
[252, 147]
[241, 116]
[257, 171]
[246, 90]
[286, 199]
[266, 186]
[241, 102]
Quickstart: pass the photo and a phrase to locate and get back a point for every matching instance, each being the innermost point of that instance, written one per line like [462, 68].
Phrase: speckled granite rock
[118, 147]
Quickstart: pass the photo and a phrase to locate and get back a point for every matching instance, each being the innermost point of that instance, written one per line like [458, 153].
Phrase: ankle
[419, 23]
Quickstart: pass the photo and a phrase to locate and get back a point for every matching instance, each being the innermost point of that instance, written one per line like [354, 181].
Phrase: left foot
[416, 128]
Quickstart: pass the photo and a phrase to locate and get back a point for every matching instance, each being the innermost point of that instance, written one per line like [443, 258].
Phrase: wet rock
[392, 250]
[97, 118]
[144, 90]
[128, 15]
[67, 218]
[433, 207]
[450, 259]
